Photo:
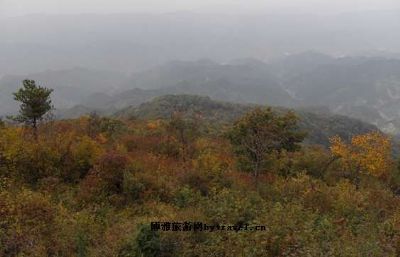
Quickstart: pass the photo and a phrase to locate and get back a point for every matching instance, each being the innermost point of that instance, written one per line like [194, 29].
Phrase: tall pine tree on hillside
[35, 103]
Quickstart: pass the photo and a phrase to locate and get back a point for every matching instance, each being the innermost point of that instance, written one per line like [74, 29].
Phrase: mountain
[242, 81]
[293, 65]
[368, 89]
[247, 82]
[164, 106]
[365, 88]
[320, 125]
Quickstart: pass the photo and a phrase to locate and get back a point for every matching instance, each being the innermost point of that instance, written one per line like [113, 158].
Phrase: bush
[146, 244]
[185, 197]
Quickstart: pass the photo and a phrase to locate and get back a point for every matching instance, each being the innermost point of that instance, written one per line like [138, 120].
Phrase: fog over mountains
[347, 62]
[133, 42]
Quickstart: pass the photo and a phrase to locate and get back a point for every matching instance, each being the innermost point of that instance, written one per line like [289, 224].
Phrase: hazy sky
[21, 7]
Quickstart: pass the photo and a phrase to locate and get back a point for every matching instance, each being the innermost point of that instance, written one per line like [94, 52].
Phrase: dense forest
[98, 186]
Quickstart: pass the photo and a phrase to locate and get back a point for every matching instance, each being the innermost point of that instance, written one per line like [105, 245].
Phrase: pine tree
[35, 103]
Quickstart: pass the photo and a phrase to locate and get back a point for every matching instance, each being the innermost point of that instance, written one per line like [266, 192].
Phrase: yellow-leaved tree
[366, 154]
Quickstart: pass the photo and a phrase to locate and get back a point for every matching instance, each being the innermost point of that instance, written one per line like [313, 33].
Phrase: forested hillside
[199, 128]
[166, 182]
[319, 124]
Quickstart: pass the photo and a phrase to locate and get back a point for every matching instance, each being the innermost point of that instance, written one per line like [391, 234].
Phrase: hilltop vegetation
[92, 186]
[320, 125]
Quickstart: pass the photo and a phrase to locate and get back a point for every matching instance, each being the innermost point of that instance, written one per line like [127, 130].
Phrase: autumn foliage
[91, 187]
[369, 154]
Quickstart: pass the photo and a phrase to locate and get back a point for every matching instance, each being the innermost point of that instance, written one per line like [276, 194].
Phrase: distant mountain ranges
[365, 88]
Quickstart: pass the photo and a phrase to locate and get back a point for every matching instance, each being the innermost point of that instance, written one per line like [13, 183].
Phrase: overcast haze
[22, 7]
[343, 54]
[152, 32]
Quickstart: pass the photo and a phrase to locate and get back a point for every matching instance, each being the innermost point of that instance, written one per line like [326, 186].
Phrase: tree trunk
[34, 126]
[256, 171]
[335, 158]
